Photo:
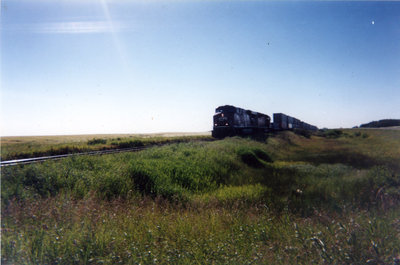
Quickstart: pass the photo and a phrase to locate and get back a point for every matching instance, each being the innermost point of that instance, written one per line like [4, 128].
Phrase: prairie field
[16, 147]
[329, 197]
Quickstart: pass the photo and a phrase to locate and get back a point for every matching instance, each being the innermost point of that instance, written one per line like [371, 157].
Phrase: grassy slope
[327, 199]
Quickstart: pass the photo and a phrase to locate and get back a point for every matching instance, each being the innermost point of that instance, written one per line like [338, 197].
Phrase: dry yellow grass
[62, 139]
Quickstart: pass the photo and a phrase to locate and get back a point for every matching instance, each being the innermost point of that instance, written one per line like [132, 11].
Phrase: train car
[285, 122]
[280, 121]
[230, 120]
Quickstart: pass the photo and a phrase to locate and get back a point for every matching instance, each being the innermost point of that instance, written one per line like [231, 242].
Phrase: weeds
[331, 133]
[290, 200]
[96, 141]
[146, 231]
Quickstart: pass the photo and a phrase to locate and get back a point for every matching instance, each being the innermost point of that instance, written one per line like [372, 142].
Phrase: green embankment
[331, 197]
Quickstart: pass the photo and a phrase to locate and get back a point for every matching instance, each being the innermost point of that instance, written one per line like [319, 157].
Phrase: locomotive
[230, 121]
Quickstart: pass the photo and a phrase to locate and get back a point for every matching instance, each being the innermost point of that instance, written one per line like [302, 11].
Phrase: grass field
[14, 147]
[293, 198]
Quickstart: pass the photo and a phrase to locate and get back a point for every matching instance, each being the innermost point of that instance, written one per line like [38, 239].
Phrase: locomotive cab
[223, 121]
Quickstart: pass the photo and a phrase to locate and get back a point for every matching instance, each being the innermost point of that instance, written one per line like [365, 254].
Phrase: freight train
[230, 121]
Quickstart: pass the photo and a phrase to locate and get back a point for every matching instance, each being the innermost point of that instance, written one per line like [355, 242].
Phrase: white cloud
[79, 2]
[77, 27]
[70, 27]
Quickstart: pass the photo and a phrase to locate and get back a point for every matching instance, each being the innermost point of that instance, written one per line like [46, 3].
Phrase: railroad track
[58, 157]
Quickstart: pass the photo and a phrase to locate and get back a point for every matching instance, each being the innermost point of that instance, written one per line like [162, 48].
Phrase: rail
[57, 157]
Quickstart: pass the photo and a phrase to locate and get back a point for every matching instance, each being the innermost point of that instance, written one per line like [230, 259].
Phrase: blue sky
[102, 66]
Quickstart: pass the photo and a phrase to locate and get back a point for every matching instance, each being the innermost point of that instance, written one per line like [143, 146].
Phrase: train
[286, 122]
[230, 121]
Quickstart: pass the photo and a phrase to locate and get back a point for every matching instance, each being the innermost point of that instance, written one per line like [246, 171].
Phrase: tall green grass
[64, 231]
[288, 199]
[179, 171]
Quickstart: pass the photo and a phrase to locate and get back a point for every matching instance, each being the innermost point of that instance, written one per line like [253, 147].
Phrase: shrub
[302, 132]
[253, 157]
[112, 186]
[129, 144]
[262, 155]
[333, 134]
[95, 141]
[143, 180]
[249, 158]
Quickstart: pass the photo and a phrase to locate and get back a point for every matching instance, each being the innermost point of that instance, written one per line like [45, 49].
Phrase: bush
[143, 180]
[249, 158]
[97, 141]
[333, 134]
[262, 155]
[112, 186]
[253, 157]
[128, 144]
[302, 132]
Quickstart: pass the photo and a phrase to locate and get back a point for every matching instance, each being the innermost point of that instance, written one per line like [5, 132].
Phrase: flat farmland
[329, 197]
[62, 139]
[14, 147]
